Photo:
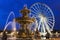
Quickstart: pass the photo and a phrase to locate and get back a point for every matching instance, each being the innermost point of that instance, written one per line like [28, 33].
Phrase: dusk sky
[6, 6]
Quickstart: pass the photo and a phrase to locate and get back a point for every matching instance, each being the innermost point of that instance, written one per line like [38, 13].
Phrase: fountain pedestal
[24, 21]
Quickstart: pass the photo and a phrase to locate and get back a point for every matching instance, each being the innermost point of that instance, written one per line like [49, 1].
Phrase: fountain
[24, 31]
[24, 21]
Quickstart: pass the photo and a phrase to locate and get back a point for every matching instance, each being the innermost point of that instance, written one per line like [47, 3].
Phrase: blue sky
[6, 6]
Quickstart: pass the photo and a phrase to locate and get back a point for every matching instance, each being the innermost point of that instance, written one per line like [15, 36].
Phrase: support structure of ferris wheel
[44, 16]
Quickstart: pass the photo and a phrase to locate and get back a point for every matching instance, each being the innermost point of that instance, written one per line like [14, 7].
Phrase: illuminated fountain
[24, 32]
[24, 21]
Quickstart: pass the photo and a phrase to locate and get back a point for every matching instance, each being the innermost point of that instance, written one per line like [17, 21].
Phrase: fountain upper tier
[25, 18]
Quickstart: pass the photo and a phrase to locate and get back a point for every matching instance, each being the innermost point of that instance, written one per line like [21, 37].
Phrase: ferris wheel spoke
[50, 17]
[49, 25]
[34, 9]
[39, 25]
[50, 22]
[38, 6]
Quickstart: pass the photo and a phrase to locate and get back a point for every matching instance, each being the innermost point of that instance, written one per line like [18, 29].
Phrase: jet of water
[14, 25]
[8, 23]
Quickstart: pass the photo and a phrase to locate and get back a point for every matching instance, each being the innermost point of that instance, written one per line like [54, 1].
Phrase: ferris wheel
[43, 15]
